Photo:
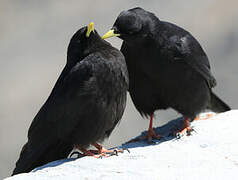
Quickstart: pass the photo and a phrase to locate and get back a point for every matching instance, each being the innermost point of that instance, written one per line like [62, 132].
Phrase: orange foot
[150, 135]
[102, 150]
[90, 153]
[186, 129]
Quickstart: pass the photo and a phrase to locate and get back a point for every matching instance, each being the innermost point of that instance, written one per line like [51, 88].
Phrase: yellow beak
[90, 29]
[110, 34]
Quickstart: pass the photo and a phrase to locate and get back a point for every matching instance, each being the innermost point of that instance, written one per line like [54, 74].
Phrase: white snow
[211, 152]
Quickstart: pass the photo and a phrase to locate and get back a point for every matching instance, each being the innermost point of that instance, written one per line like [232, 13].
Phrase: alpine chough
[167, 67]
[85, 105]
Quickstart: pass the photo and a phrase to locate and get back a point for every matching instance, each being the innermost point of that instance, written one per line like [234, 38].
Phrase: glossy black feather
[85, 105]
[167, 66]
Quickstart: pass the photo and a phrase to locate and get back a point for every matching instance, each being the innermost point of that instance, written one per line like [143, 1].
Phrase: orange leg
[186, 129]
[150, 134]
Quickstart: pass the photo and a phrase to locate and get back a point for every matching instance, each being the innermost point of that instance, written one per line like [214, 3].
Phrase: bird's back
[160, 77]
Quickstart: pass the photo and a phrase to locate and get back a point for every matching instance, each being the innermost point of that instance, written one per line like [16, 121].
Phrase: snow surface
[211, 152]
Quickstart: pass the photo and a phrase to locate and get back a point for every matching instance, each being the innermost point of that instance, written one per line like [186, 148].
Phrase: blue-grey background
[34, 36]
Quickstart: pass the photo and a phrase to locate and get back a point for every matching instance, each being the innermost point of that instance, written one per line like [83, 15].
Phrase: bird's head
[83, 42]
[132, 24]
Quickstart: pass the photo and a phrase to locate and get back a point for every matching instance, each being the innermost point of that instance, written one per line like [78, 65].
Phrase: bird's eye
[116, 31]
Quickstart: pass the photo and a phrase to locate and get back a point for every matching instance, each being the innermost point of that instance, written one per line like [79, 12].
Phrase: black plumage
[85, 105]
[167, 66]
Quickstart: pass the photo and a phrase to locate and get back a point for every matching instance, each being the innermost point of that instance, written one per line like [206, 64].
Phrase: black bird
[167, 66]
[85, 105]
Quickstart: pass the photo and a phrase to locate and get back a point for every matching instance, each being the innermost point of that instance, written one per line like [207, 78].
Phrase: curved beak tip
[109, 34]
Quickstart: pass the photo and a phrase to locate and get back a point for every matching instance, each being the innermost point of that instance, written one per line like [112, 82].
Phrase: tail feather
[217, 105]
[32, 157]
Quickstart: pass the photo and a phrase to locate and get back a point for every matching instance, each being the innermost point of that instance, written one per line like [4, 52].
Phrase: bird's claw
[128, 150]
[115, 152]
[75, 153]
[188, 131]
[178, 135]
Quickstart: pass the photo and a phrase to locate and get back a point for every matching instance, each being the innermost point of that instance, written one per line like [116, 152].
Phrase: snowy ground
[210, 153]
